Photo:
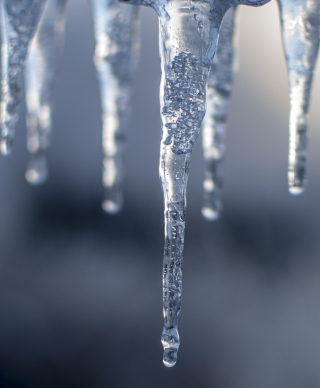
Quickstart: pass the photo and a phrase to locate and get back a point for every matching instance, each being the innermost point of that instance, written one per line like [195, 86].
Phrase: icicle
[300, 33]
[19, 20]
[40, 71]
[215, 121]
[188, 37]
[116, 31]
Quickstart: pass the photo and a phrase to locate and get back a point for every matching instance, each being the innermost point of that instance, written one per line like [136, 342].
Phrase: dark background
[81, 292]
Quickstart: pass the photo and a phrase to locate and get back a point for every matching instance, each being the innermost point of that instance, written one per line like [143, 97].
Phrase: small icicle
[116, 28]
[19, 20]
[215, 121]
[188, 37]
[300, 34]
[40, 72]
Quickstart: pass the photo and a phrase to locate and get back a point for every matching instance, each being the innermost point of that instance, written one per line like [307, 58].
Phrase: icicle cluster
[189, 32]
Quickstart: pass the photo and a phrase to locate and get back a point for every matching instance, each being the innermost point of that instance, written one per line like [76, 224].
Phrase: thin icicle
[116, 28]
[188, 37]
[19, 20]
[40, 72]
[300, 33]
[215, 121]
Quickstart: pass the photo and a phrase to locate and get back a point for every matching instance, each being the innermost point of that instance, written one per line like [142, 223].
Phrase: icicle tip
[170, 341]
[6, 145]
[111, 207]
[210, 214]
[35, 177]
[296, 190]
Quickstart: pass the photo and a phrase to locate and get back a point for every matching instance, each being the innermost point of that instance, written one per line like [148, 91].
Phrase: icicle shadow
[215, 121]
[188, 37]
[116, 29]
[19, 20]
[300, 34]
[40, 74]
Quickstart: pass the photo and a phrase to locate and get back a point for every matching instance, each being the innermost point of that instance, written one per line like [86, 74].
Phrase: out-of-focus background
[81, 292]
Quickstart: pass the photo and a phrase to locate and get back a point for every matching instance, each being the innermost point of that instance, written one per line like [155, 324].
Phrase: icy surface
[19, 19]
[215, 121]
[40, 72]
[116, 29]
[300, 33]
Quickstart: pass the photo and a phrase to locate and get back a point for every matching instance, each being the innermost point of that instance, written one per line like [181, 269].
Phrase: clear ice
[300, 33]
[40, 73]
[215, 120]
[188, 38]
[19, 20]
[116, 29]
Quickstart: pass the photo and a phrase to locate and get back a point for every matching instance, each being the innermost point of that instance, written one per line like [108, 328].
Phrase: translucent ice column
[215, 121]
[19, 20]
[116, 28]
[188, 37]
[300, 32]
[40, 72]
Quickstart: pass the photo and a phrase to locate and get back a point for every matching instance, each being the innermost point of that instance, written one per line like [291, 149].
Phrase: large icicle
[188, 37]
[215, 121]
[19, 20]
[116, 28]
[300, 33]
[40, 72]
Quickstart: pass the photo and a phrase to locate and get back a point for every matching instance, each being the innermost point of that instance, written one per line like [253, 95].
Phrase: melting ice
[188, 38]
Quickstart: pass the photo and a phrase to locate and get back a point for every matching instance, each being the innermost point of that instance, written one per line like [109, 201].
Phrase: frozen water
[189, 33]
[215, 121]
[300, 34]
[19, 20]
[40, 72]
[188, 37]
[116, 29]
[116, 32]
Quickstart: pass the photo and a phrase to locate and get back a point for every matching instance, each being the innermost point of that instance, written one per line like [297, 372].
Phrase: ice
[300, 34]
[19, 20]
[40, 74]
[116, 32]
[188, 36]
[116, 29]
[215, 121]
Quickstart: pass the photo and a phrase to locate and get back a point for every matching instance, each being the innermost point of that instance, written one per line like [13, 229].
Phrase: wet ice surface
[19, 20]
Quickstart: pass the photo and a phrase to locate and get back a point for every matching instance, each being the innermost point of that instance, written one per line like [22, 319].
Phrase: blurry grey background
[81, 292]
